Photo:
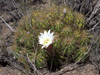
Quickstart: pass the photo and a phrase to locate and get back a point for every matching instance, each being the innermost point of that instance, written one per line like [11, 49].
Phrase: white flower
[46, 39]
[64, 10]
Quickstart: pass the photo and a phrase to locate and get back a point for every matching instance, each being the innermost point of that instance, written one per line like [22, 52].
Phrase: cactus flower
[64, 10]
[46, 39]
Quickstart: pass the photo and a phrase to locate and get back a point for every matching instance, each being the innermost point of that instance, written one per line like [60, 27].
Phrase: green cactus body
[70, 43]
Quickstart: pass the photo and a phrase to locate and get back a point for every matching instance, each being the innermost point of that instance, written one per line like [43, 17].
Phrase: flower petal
[46, 38]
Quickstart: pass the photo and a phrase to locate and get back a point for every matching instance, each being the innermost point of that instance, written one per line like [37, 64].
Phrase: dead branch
[7, 25]
[94, 26]
[95, 10]
[33, 66]
[15, 15]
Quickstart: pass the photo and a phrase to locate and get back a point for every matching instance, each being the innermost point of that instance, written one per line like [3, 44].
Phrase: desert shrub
[71, 37]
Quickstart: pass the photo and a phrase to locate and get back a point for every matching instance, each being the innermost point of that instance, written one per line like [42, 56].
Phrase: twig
[94, 26]
[20, 14]
[7, 25]
[33, 66]
[14, 15]
[96, 8]
[9, 59]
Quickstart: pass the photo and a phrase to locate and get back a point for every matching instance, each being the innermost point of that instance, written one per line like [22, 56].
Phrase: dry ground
[87, 69]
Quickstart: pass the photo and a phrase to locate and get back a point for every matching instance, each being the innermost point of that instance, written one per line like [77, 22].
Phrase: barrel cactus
[70, 39]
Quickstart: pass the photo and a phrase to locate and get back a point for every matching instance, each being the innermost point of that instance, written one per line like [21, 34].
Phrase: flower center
[46, 41]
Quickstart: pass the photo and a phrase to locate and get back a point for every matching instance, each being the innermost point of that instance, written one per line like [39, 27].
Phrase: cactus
[71, 37]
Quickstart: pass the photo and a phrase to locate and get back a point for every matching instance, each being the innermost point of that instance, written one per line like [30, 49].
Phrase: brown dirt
[87, 69]
[9, 71]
